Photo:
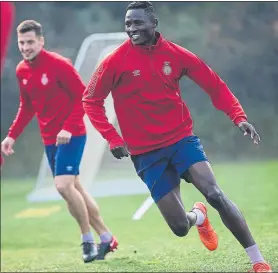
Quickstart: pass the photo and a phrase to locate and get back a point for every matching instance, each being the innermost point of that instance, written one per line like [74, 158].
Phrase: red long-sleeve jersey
[7, 19]
[51, 89]
[144, 82]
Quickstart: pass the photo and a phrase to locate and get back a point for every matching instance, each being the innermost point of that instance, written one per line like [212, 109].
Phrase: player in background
[143, 76]
[7, 18]
[51, 89]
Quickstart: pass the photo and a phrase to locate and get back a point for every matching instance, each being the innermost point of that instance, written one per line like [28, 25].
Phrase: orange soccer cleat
[261, 267]
[207, 234]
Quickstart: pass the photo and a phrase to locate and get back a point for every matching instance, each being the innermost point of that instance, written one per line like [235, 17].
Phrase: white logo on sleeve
[136, 72]
[44, 79]
[69, 168]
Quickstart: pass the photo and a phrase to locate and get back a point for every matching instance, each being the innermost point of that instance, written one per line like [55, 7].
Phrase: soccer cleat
[261, 267]
[90, 252]
[206, 232]
[105, 248]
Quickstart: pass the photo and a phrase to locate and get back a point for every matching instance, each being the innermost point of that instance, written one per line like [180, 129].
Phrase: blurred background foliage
[239, 40]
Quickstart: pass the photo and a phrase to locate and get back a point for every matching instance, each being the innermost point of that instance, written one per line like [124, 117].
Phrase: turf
[51, 243]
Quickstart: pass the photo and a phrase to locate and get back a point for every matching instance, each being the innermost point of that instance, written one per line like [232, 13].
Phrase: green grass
[52, 243]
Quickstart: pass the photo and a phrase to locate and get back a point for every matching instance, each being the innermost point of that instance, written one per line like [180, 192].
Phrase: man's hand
[120, 152]
[249, 129]
[63, 137]
[7, 146]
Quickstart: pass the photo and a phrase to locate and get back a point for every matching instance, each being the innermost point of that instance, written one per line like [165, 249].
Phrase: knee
[64, 184]
[78, 185]
[180, 229]
[215, 197]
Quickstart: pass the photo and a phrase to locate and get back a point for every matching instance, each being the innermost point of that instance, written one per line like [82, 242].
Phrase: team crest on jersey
[167, 69]
[24, 81]
[44, 79]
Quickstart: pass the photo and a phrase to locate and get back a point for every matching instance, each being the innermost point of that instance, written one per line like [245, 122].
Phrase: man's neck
[34, 59]
[153, 40]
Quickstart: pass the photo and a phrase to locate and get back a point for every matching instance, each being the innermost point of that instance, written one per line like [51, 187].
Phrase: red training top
[52, 89]
[144, 81]
[7, 19]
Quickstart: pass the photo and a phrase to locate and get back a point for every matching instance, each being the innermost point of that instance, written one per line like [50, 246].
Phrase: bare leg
[172, 208]
[95, 219]
[74, 199]
[202, 177]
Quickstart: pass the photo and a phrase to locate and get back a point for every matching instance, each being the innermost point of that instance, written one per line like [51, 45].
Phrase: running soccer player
[143, 76]
[51, 89]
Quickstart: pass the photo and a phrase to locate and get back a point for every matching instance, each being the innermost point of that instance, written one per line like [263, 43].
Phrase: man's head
[30, 39]
[141, 22]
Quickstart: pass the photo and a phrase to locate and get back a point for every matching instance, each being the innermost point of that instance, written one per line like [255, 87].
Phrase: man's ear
[42, 41]
[155, 22]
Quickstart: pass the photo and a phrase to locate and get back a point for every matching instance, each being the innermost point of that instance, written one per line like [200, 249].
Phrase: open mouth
[135, 37]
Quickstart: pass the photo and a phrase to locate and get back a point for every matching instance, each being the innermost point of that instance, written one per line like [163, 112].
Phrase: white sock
[200, 217]
[88, 237]
[254, 254]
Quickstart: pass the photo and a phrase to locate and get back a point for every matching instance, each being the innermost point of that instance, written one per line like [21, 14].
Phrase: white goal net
[101, 174]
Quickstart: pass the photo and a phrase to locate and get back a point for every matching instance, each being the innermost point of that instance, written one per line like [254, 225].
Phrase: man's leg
[171, 205]
[108, 242]
[172, 209]
[201, 176]
[77, 207]
[163, 182]
[75, 201]
[96, 220]
[66, 168]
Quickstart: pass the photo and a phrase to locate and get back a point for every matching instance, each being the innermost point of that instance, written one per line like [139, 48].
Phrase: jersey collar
[37, 61]
[150, 48]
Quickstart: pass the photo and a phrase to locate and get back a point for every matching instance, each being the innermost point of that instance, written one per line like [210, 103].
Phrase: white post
[143, 209]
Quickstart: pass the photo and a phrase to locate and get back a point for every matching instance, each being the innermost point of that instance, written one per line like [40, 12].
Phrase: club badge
[167, 69]
[44, 79]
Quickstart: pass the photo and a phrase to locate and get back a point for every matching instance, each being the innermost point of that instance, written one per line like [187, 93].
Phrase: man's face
[139, 26]
[29, 45]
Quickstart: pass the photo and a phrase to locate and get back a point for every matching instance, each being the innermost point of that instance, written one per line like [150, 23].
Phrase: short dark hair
[146, 5]
[30, 25]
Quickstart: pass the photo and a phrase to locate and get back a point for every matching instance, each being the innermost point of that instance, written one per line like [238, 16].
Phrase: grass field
[51, 243]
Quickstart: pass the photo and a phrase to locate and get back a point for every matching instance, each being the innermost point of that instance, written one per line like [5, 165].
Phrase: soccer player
[7, 19]
[143, 76]
[51, 89]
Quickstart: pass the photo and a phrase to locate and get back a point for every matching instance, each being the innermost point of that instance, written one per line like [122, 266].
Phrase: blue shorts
[162, 169]
[65, 159]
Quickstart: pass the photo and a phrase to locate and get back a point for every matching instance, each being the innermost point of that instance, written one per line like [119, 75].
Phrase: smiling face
[140, 26]
[29, 45]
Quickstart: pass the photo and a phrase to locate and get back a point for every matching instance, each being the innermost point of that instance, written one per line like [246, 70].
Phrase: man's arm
[96, 92]
[72, 82]
[24, 115]
[221, 96]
